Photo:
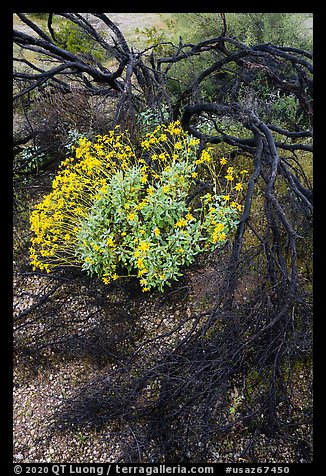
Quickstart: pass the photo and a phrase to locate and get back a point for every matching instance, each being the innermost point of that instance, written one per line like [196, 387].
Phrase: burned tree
[254, 342]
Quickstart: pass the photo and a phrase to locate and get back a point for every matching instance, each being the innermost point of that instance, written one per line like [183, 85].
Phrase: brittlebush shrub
[115, 213]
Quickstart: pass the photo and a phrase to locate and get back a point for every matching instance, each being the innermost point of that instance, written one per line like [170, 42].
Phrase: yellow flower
[115, 277]
[229, 177]
[140, 263]
[142, 271]
[215, 237]
[142, 204]
[173, 128]
[205, 156]
[226, 197]
[193, 142]
[144, 246]
[150, 190]
[145, 145]
[153, 140]
[110, 242]
[162, 156]
[180, 223]
[223, 161]
[156, 231]
[238, 186]
[131, 216]
[220, 227]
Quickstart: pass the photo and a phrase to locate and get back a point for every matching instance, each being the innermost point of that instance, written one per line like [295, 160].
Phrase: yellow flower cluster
[140, 203]
[54, 221]
[218, 234]
[205, 156]
[231, 182]
[166, 142]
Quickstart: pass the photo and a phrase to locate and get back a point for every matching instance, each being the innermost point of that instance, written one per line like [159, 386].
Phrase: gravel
[47, 376]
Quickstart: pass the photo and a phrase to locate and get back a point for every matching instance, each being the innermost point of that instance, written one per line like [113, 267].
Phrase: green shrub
[282, 29]
[115, 214]
[71, 38]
